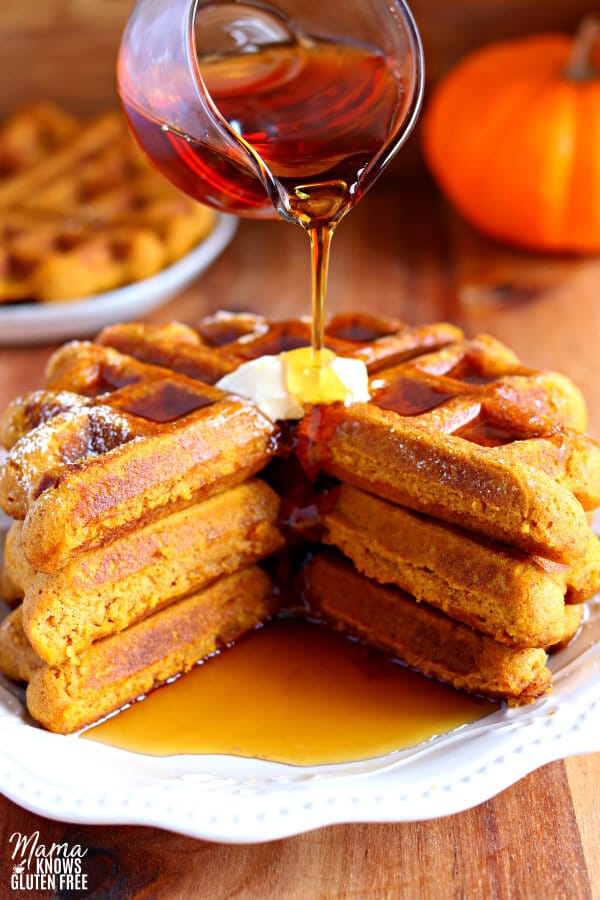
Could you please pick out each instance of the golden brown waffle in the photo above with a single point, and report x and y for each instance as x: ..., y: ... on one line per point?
x: 463, y: 433
x: 121, y: 668
x: 10, y: 592
x: 130, y: 439
x: 18, y: 659
x: 421, y: 636
x: 515, y: 598
x: 88, y: 468
x: 574, y: 617
x: 16, y: 571
x: 222, y: 342
x: 82, y: 212
x: 104, y: 591
x: 32, y: 134
x: 467, y: 435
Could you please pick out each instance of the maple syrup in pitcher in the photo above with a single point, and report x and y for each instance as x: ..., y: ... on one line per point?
x: 315, y: 111
x: 314, y: 117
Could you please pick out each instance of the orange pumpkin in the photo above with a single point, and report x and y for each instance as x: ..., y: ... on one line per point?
x: 512, y: 135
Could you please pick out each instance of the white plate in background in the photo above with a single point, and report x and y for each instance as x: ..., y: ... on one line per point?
x: 38, y: 323
x: 234, y: 800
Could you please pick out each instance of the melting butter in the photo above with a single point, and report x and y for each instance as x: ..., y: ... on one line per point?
x: 280, y: 385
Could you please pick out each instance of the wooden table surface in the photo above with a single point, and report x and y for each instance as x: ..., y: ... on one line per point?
x: 404, y: 253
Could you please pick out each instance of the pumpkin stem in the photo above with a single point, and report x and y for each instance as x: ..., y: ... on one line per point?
x: 581, y: 66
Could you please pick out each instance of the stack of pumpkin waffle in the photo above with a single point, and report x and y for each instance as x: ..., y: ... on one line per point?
x: 137, y: 525
x: 457, y: 501
x: 82, y: 211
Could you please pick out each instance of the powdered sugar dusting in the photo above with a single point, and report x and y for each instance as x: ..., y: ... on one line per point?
x: 108, y: 428
x: 68, y: 437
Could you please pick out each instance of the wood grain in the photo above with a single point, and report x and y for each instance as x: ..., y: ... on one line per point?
x: 584, y: 787
x: 504, y: 848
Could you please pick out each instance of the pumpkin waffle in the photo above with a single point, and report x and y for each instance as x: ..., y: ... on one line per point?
x: 104, y: 591
x: 120, y: 669
x: 10, y: 592
x: 32, y: 134
x: 574, y: 618
x: 421, y: 636
x: 515, y: 598
x: 18, y: 659
x: 20, y: 662
x: 466, y: 484
x: 466, y: 435
x: 224, y: 341
x: 13, y: 575
x: 88, y: 468
x: 82, y: 211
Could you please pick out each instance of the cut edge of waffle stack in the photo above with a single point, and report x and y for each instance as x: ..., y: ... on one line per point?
x: 82, y: 210
x: 142, y: 492
x: 120, y: 620
x: 115, y: 671
x: 466, y: 485
x: 129, y: 436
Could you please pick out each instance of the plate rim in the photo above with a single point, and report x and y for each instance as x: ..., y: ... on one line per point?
x: 202, y: 806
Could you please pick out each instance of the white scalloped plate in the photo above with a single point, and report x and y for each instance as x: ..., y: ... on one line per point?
x: 235, y: 800
x: 36, y: 323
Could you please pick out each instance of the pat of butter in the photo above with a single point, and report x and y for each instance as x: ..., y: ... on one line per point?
x: 266, y: 382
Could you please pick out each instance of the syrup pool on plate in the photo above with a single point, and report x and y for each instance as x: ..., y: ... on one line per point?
x: 295, y: 693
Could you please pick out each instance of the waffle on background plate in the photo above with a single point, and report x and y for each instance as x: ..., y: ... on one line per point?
x: 445, y: 522
x: 81, y: 210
